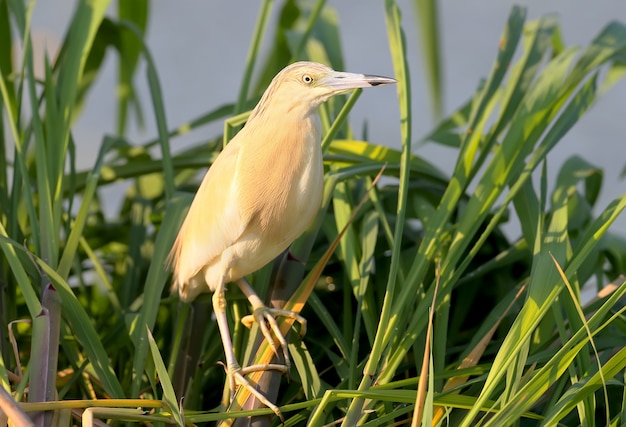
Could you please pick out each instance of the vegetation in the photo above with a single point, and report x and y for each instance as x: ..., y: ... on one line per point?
x: 442, y: 319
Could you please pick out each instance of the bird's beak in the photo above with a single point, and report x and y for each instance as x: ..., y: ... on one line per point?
x: 341, y: 82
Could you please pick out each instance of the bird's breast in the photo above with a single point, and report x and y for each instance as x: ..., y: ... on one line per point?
x: 284, y: 181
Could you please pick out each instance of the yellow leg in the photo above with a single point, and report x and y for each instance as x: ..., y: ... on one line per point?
x: 234, y: 372
x: 265, y: 316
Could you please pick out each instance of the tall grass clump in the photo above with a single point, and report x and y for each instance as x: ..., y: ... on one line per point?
x: 434, y: 316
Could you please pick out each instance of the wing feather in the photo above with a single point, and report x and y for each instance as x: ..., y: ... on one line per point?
x: 214, y: 222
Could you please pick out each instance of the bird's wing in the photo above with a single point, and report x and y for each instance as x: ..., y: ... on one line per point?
x: 214, y: 221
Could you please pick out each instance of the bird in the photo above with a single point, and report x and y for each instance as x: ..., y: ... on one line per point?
x: 261, y: 193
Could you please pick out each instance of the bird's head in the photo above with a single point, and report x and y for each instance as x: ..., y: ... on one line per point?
x: 308, y: 84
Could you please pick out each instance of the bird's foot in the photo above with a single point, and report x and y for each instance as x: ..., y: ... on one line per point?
x: 236, y: 375
x: 265, y: 316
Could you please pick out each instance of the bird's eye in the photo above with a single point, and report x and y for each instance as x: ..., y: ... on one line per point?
x: 307, y: 79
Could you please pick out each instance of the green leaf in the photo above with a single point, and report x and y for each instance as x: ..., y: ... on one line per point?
x: 429, y: 25
x: 168, y: 391
x: 130, y: 48
x: 155, y: 283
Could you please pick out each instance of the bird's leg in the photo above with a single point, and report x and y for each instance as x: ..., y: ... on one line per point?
x: 234, y: 372
x: 264, y: 315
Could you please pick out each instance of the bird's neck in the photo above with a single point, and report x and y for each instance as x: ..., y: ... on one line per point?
x: 286, y: 121
x: 284, y: 135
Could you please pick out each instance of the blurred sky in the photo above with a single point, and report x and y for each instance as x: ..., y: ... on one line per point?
x: 200, y: 49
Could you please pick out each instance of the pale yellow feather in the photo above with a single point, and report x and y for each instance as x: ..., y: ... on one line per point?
x: 265, y: 188
x: 260, y: 194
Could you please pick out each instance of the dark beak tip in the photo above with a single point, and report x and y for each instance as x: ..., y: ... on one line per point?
x: 387, y: 81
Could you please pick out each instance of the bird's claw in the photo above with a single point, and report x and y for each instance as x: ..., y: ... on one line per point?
x: 265, y: 316
x: 275, y: 312
x: 236, y: 375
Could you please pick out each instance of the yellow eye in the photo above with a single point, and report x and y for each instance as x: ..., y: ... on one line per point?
x: 307, y: 79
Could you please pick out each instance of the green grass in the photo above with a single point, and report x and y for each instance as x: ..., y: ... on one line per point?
x: 512, y: 343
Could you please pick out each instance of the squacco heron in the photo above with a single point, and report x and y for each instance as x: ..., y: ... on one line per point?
x: 261, y: 193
